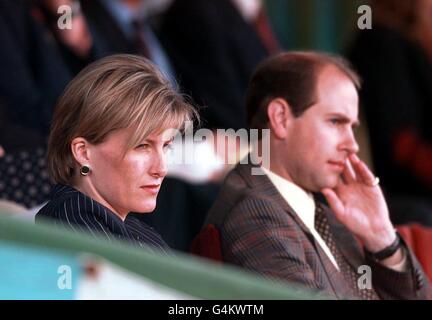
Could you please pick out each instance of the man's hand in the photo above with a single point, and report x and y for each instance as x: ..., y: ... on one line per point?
x: 361, y: 206
x: 78, y: 39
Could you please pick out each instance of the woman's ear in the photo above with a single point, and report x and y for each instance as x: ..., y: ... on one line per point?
x: 80, y: 151
x: 280, y: 116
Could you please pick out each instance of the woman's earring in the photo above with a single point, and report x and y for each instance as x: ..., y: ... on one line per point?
x: 85, y: 170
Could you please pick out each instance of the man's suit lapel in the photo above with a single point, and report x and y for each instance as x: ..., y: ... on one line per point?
x: 266, y: 188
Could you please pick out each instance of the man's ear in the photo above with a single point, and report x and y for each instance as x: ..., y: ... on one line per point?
x: 279, y: 115
x: 80, y: 150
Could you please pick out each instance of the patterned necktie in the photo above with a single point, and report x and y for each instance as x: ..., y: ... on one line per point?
x: 350, y: 275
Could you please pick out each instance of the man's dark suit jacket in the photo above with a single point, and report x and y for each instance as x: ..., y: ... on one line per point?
x: 261, y: 232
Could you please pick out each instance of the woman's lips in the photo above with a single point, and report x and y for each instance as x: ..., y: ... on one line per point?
x: 153, y: 188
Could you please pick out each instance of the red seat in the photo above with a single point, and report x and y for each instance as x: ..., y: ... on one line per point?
x: 419, y: 239
x: 208, y: 243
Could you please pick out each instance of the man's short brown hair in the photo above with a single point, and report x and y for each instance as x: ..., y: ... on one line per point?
x: 116, y: 92
x: 291, y: 76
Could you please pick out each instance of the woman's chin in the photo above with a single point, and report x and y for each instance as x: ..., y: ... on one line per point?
x: 145, y: 208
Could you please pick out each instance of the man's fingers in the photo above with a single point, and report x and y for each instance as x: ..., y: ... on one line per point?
x: 348, y: 173
x: 361, y: 170
x: 334, y: 202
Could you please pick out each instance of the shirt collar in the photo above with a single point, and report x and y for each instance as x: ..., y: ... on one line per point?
x: 301, y: 201
x: 303, y: 204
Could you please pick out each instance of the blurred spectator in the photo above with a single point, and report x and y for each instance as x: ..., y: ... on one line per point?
x: 32, y: 76
x: 123, y: 26
x: 394, y: 59
x: 214, y: 46
x: 32, y: 72
x: 78, y: 38
x: 76, y: 43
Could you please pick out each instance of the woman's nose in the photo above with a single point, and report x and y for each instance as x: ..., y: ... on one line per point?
x: 158, y: 167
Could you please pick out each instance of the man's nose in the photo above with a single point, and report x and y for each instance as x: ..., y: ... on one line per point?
x: 350, y: 144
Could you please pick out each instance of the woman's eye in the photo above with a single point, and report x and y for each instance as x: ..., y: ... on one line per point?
x: 143, y: 146
x: 168, y: 146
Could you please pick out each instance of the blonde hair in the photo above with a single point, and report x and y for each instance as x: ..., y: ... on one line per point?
x: 116, y: 92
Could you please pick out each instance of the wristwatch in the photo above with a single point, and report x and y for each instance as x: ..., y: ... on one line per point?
x: 386, y: 252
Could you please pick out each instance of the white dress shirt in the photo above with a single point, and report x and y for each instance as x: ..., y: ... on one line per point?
x: 303, y: 204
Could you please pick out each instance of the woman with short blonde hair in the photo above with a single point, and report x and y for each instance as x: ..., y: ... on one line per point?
x: 106, y: 150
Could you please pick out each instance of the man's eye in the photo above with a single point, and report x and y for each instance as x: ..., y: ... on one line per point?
x: 335, y: 122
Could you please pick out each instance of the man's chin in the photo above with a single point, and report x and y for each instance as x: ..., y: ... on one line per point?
x: 318, y: 183
x: 330, y: 183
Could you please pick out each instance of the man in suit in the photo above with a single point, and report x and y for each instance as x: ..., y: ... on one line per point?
x: 316, y: 214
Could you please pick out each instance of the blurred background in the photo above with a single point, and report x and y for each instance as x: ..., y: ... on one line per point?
x: 314, y: 24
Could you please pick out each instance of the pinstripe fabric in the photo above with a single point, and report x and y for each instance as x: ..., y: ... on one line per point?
x: 261, y: 232
x: 78, y: 212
